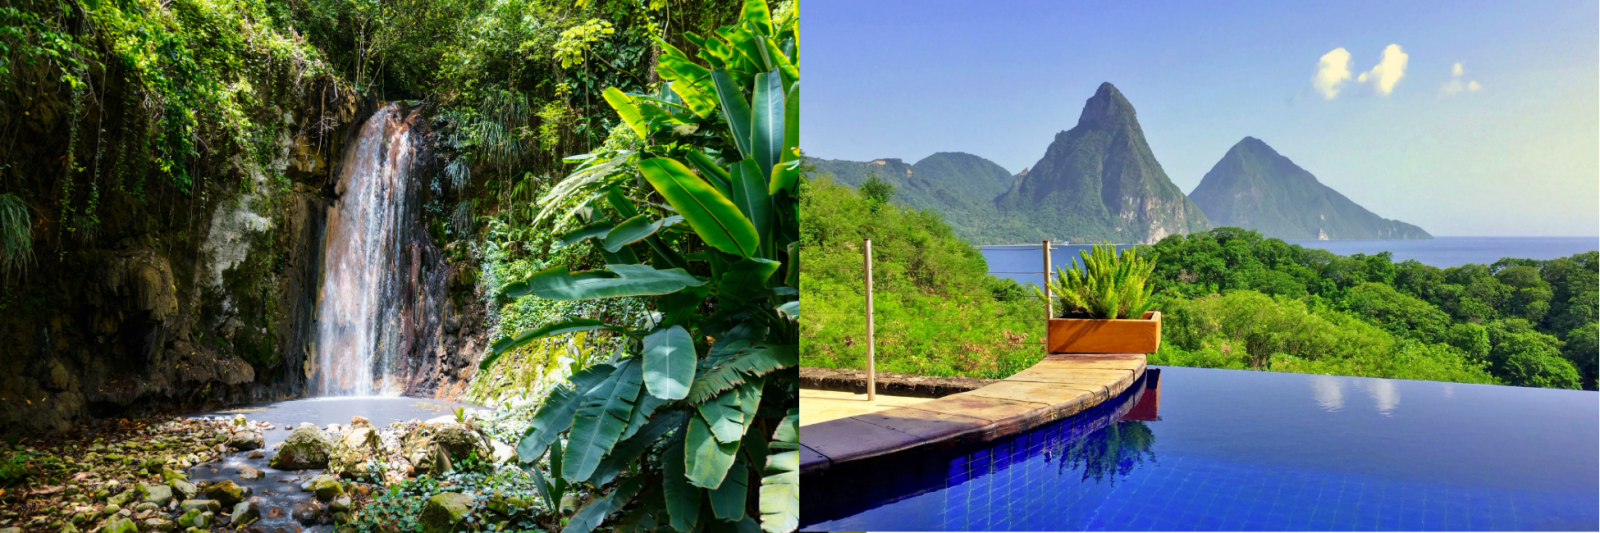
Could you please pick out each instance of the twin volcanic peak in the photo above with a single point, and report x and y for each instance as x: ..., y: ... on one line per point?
x: 1254, y: 187
x: 1100, y: 181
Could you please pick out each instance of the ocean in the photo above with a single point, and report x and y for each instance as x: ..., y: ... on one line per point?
x: 1025, y: 264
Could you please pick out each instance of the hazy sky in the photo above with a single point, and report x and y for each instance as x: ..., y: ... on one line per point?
x: 1368, y: 96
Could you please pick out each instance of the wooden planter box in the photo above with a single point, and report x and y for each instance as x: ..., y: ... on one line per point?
x: 1083, y: 335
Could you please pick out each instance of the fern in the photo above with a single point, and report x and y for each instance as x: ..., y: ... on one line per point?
x: 16, y: 235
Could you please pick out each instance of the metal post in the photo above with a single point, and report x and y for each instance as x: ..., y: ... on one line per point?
x: 872, y: 369
x: 1049, y: 306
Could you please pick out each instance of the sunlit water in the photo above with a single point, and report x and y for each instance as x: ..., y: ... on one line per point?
x: 1210, y: 449
x: 359, y: 320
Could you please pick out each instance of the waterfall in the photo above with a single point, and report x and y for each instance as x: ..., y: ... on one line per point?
x: 361, y: 316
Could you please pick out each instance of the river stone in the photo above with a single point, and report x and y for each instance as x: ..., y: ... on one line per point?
x: 203, y: 505
x: 307, y: 513
x: 340, y: 504
x: 245, y: 513
x: 307, y: 447
x: 326, y: 487
x: 158, y: 524
x: 247, y: 440
x: 119, y: 525
x: 169, y: 475
x: 443, y: 511
x: 12, y: 530
x: 249, y: 474
x: 187, y: 489
x: 239, y: 420
x: 227, y: 493
x: 351, y: 455
x: 438, y: 448
x: 156, y: 494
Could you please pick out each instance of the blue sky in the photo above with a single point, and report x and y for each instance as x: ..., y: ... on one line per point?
x: 1516, y: 153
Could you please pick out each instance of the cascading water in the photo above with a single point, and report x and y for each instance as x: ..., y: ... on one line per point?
x: 360, y: 311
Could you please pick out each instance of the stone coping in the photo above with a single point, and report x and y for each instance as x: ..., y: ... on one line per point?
x: 910, y: 385
x: 1058, y: 387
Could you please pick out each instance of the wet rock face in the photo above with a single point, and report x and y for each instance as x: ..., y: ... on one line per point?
x: 307, y: 447
x: 175, y: 299
x: 352, y: 455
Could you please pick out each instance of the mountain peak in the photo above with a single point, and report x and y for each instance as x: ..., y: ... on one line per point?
x: 1106, y: 107
x: 1253, y: 144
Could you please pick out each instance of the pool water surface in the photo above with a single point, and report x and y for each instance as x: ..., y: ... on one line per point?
x: 1206, y: 449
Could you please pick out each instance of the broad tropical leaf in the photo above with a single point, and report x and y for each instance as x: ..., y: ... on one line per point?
x: 749, y: 187
x: 706, y: 460
x: 780, y: 493
x: 571, y: 326
x: 630, y: 448
x: 767, y: 118
x: 636, y: 229
x: 596, y: 229
x: 791, y: 310
x: 555, y: 416
x: 786, y: 175
x: 711, y: 214
x: 594, y: 514
x: 727, y: 501
x: 669, y: 361
x: 756, y: 14
x: 733, y: 363
x: 787, y: 436
x: 601, y: 417
x: 734, y: 108
x: 642, y: 411
x: 556, y: 283
x: 712, y: 172
x: 723, y: 415
x: 746, y: 279
x: 628, y: 110
x: 682, y: 498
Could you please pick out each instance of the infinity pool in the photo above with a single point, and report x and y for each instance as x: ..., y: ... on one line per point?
x: 1205, y: 449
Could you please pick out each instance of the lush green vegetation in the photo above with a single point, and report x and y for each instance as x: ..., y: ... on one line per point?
x: 1104, y: 284
x: 1236, y: 299
x: 937, y: 312
x: 696, y: 214
x: 1230, y: 298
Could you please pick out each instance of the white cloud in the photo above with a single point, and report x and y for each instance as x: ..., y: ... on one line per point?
x: 1458, y: 82
x: 1391, y: 67
x: 1332, y: 71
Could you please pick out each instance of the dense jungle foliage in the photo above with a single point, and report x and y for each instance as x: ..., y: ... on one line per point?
x: 156, y: 93
x: 1230, y: 298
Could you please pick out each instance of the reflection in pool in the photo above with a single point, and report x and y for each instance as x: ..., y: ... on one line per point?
x: 1204, y: 449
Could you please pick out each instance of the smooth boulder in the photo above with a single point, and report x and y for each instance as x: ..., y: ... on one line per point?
x: 438, y: 448
x: 227, y: 493
x: 306, y: 448
x: 443, y: 511
x: 245, y: 513
x: 246, y: 440
x: 307, y: 513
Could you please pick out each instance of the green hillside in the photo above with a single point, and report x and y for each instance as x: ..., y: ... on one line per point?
x: 958, y: 187
x: 1254, y: 187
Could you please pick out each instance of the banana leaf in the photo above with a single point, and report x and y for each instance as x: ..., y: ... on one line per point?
x: 749, y: 187
x: 706, y: 459
x: 746, y: 279
x: 596, y: 229
x: 734, y: 108
x: 669, y: 361
x: 630, y: 448
x: 510, y: 343
x: 767, y: 115
x: 780, y: 493
x: 682, y: 498
x: 556, y: 283
x: 736, y: 362
x: 714, y: 218
x: 723, y: 415
x: 600, y: 419
x: 555, y: 416
x: 626, y: 109
x: 594, y: 514
x: 727, y: 501
x: 636, y: 229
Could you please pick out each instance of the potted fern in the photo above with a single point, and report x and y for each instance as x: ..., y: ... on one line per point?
x: 1104, y: 304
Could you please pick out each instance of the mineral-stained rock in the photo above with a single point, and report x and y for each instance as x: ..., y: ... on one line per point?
x: 245, y: 513
x: 156, y: 494
x: 443, y: 511
x: 326, y: 487
x: 351, y: 455
x: 203, y: 505
x: 158, y: 524
x: 307, y: 513
x: 340, y: 504
x: 437, y: 448
x: 185, y: 488
x: 227, y: 493
x: 307, y: 447
x: 246, y: 440
x: 249, y: 474
x: 119, y: 525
